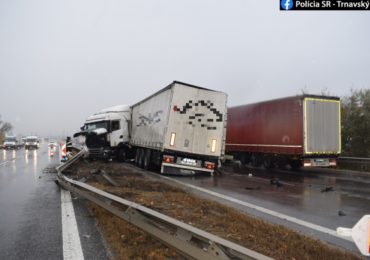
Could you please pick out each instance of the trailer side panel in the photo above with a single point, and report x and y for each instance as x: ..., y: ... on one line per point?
x: 268, y: 127
x: 150, y: 119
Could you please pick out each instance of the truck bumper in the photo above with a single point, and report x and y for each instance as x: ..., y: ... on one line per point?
x: 176, y: 169
x: 31, y: 147
x: 100, y: 153
x: 319, y: 162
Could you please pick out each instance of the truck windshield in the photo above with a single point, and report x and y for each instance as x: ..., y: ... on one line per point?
x: 10, y: 139
x: 96, y: 125
x: 31, y: 140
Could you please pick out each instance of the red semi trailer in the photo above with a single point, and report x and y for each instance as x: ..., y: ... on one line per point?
x: 302, y: 130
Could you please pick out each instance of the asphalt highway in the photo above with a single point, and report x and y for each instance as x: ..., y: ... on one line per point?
x: 30, y: 210
x: 325, y: 199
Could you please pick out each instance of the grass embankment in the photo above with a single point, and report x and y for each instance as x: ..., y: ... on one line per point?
x: 129, y: 242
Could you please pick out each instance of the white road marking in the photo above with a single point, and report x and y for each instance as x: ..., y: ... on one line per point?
x: 4, y: 163
x: 265, y: 210
x: 72, y: 249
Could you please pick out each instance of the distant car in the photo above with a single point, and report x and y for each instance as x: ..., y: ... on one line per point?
x: 10, y: 142
x: 53, y: 144
x: 32, y: 142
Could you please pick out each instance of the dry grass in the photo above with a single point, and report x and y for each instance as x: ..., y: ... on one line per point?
x: 129, y: 242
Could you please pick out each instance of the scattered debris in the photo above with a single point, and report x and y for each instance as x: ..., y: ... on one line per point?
x: 83, y: 179
x: 109, y: 179
x: 129, y: 242
x: 253, y: 188
x: 276, y: 181
x: 95, y: 171
x: 250, y: 175
x: 341, y: 213
x: 86, y: 236
x: 85, y: 161
x: 327, y: 189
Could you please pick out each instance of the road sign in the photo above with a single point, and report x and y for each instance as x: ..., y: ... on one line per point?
x: 64, y: 150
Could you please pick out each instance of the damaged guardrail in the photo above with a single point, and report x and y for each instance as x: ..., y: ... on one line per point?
x: 187, y: 240
x: 71, y: 161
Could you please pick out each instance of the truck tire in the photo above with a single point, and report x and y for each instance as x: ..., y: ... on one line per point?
x: 245, y: 158
x: 137, y: 157
x: 121, y: 154
x: 256, y: 160
x: 281, y: 164
x: 268, y: 162
x: 295, y: 164
x: 141, y: 157
x: 147, y: 157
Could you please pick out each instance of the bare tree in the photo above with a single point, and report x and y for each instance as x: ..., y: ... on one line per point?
x: 4, y: 127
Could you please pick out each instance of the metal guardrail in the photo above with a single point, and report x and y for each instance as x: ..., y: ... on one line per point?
x: 71, y: 161
x: 354, y: 160
x: 187, y: 240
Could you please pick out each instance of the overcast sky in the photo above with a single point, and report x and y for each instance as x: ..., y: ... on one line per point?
x: 61, y: 61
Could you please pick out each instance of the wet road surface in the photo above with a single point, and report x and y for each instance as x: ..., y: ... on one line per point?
x: 30, y: 209
x: 323, y: 197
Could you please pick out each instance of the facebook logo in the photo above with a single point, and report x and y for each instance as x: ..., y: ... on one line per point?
x: 286, y: 4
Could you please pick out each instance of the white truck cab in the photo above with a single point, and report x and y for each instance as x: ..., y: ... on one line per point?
x: 32, y: 142
x: 107, y: 133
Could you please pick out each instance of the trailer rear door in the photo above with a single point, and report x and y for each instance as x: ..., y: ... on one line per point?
x: 197, y: 121
x: 322, y: 127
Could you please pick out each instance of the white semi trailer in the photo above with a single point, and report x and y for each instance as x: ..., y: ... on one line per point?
x: 181, y: 129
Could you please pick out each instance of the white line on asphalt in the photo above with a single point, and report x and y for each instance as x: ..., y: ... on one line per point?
x: 3, y: 163
x: 264, y: 210
x: 72, y: 249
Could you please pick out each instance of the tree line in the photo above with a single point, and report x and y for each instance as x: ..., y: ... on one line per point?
x: 4, y: 128
x: 356, y: 124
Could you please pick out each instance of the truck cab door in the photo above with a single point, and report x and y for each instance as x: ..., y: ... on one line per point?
x: 119, y: 132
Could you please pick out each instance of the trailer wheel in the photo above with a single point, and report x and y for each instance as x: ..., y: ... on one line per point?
x: 281, y: 164
x: 146, y: 160
x: 296, y: 164
x: 141, y: 157
x: 245, y: 159
x: 121, y: 154
x: 137, y: 157
x: 256, y: 160
x: 268, y: 162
